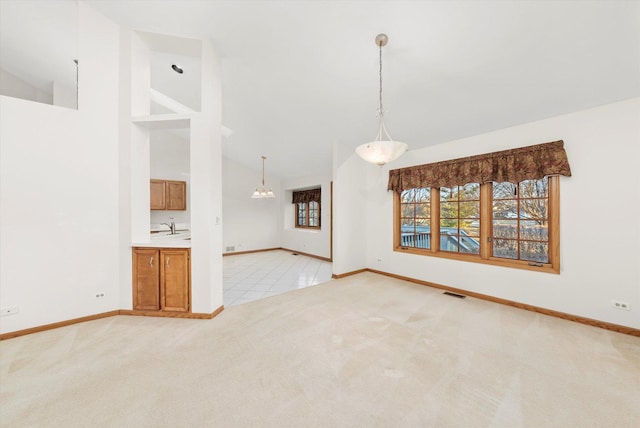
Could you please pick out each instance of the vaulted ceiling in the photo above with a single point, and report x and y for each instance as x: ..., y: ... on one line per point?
x: 301, y: 76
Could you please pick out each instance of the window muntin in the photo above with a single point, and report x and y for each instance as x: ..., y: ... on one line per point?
x: 519, y: 226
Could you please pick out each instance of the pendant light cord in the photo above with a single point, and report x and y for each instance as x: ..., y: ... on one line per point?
x: 380, y: 47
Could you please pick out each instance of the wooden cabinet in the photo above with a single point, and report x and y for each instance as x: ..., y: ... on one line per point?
x: 157, y: 195
x: 168, y: 195
x: 176, y: 195
x: 146, y: 279
x: 162, y: 279
x: 174, y: 280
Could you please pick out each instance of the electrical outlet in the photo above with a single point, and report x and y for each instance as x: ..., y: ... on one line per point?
x: 621, y: 305
x: 99, y: 295
x: 9, y: 311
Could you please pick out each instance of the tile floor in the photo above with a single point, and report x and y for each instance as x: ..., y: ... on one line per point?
x: 253, y: 276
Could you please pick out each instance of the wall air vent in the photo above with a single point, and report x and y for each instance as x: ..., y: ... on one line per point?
x: 449, y: 293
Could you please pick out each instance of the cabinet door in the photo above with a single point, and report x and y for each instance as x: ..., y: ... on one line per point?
x: 157, y: 195
x: 176, y: 195
x: 146, y: 279
x: 175, y: 274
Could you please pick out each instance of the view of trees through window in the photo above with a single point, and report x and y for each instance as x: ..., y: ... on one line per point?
x: 308, y: 214
x: 519, y: 223
x: 520, y: 220
x: 460, y: 218
x: 415, y: 218
x: 302, y: 214
x: 314, y: 214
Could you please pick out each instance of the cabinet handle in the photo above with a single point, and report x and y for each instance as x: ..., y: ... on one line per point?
x: 151, y: 261
x: 168, y: 258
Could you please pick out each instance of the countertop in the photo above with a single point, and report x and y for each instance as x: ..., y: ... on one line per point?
x: 182, y: 239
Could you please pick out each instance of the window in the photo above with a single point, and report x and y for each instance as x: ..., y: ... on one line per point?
x: 505, y: 223
x: 520, y: 222
x: 521, y: 229
x: 302, y: 218
x: 459, y: 218
x: 307, y: 208
x: 415, y: 223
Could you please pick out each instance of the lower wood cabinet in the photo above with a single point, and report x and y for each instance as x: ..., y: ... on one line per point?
x: 162, y: 279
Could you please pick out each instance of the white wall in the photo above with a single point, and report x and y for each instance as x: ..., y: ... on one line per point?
x: 138, y: 137
x: 310, y: 241
x: 349, y: 215
x: 125, y: 173
x: 59, y: 227
x: 599, y: 224
x: 256, y: 224
x: 170, y: 161
x: 64, y: 96
x: 12, y: 86
x: 206, y: 188
x: 248, y: 224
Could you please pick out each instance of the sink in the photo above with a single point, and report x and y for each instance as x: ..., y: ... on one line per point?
x: 168, y: 236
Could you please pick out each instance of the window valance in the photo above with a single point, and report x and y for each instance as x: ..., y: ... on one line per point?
x: 312, y: 195
x: 525, y: 163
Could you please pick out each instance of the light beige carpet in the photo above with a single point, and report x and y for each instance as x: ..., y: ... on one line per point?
x: 364, y: 351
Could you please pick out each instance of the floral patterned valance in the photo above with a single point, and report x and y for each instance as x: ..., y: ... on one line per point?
x: 312, y: 195
x: 525, y: 163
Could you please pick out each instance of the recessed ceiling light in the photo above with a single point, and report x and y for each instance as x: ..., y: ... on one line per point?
x: 177, y: 69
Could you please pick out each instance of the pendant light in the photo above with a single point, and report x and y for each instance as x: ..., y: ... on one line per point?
x: 262, y: 191
x: 384, y: 149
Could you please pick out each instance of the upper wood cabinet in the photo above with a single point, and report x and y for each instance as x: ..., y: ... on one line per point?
x: 158, y: 200
x: 168, y: 195
x: 176, y: 195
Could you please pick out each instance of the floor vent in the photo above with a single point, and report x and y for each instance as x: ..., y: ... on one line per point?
x: 449, y: 293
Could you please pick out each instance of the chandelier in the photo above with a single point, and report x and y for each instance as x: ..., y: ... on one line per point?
x: 262, y: 191
x: 384, y: 149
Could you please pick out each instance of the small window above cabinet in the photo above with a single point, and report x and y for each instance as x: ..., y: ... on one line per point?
x: 168, y: 195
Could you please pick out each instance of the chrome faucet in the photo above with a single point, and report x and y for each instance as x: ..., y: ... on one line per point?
x: 172, y: 225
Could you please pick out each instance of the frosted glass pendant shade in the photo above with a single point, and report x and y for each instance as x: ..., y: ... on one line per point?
x: 381, y: 152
